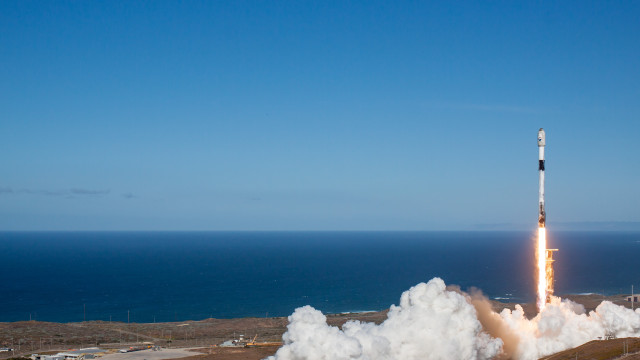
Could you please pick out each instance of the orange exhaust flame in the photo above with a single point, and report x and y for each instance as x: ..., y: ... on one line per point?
x: 541, y: 261
x: 544, y: 261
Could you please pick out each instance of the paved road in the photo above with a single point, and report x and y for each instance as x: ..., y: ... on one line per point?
x: 151, y: 355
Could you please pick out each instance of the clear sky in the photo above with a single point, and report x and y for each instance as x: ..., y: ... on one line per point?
x: 326, y: 115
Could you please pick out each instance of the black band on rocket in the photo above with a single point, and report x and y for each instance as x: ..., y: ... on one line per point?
x: 541, y: 165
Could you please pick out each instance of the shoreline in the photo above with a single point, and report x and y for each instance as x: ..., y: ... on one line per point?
x: 497, y: 302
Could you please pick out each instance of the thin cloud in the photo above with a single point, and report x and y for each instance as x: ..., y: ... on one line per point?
x: 597, y: 225
x: 42, y: 192
x: 128, y: 195
x: 77, y: 191
x: 564, y: 225
x: 64, y: 193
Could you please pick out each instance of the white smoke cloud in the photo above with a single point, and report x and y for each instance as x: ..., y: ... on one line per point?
x: 564, y: 325
x: 429, y: 323
x: 432, y: 322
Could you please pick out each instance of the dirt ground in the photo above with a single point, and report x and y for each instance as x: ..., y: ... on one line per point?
x: 602, y: 350
x: 28, y: 337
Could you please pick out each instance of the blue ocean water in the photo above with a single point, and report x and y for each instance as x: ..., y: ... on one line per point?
x: 174, y: 276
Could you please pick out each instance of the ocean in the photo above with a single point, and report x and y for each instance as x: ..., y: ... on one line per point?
x: 177, y: 276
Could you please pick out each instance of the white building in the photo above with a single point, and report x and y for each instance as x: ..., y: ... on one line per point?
x: 89, y: 353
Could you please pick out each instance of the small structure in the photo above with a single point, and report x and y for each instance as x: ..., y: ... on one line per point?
x: 51, y: 357
x: 145, y: 346
x: 89, y: 353
x: 633, y: 298
x: 240, y: 342
x: 253, y: 343
x: 46, y: 357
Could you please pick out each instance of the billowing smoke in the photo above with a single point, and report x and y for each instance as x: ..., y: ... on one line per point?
x: 429, y: 323
x: 563, y: 324
x: 433, y: 322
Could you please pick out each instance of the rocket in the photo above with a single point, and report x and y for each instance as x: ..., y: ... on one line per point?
x: 541, y: 143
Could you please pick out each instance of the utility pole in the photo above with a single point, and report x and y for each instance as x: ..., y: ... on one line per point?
x: 128, y: 312
x: 85, y: 312
x: 632, y: 297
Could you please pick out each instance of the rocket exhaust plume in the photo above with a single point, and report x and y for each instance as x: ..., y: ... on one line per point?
x: 542, y: 268
x: 436, y: 322
x: 544, y: 256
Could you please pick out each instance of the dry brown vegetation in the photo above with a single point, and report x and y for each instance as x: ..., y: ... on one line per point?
x: 601, y: 350
x: 29, y: 337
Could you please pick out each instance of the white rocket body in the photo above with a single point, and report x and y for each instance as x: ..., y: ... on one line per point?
x: 541, y: 144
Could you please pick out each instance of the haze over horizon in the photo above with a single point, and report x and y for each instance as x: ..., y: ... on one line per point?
x: 317, y: 116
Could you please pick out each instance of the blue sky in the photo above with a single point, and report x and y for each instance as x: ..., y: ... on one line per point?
x: 316, y: 115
